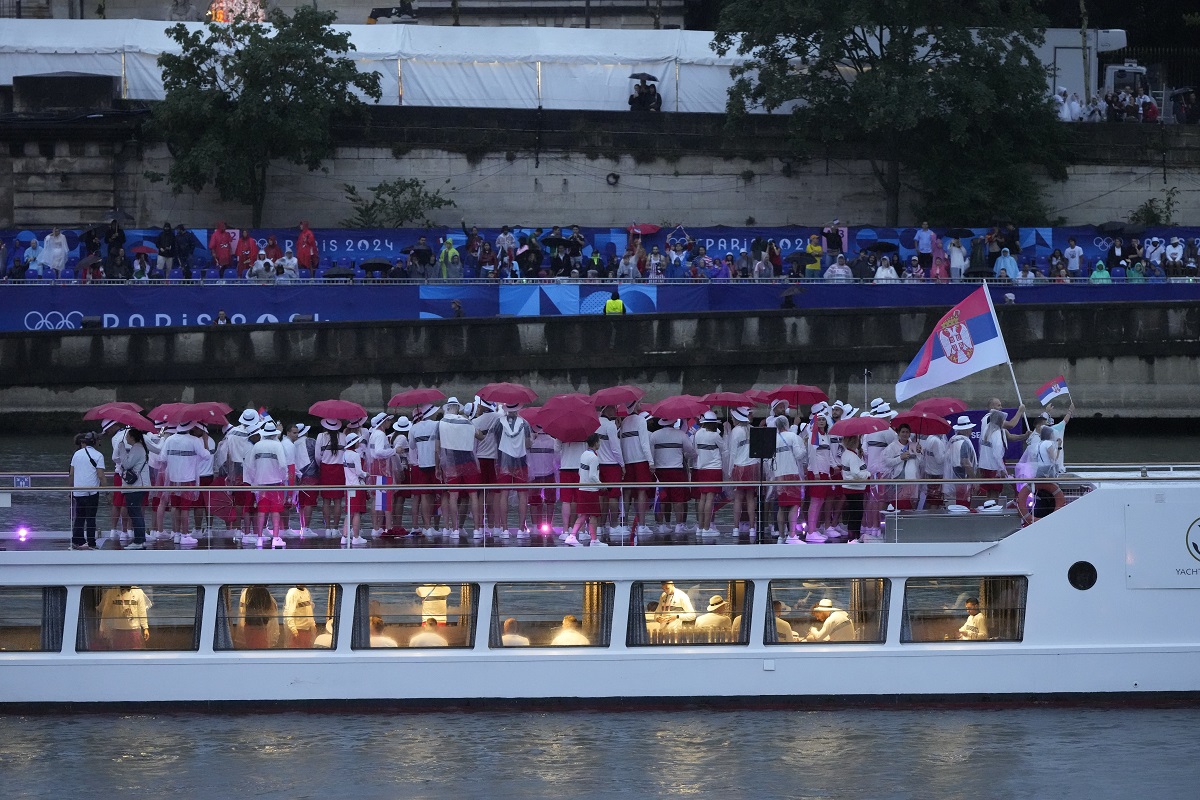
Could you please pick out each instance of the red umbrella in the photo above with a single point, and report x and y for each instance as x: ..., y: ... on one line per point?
x: 123, y: 416
x: 569, y: 419
x: 760, y: 396
x: 98, y: 412
x: 159, y: 413
x: 142, y: 249
x: 416, y: 397
x: 337, y: 409
x: 941, y: 406
x: 617, y: 396
x: 684, y: 406
x: 731, y: 399
x: 799, y: 394
x: 510, y: 394
x: 858, y: 426
x: 207, y: 413
x: 644, y: 228
x: 921, y: 423
x: 530, y: 414
x: 570, y: 396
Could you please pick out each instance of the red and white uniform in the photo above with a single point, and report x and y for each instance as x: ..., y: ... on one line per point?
x: 788, y: 465
x: 711, y: 459
x: 568, y: 469
x: 612, y: 460
x: 267, y: 465
x: 821, y: 460
x: 355, y: 475
x: 588, y: 496
x: 672, y: 450
x: 183, y: 453
x: 742, y: 466
x: 486, y: 448
x: 635, y: 449
x: 379, y: 455
x: 423, y: 453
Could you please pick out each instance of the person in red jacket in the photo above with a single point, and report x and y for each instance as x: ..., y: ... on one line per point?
x: 306, y: 248
x: 247, y: 253
x: 272, y: 251
x: 220, y: 244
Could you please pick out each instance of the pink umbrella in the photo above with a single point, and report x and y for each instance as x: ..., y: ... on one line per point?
x: 617, y: 396
x: 760, y: 396
x: 416, y: 397
x: 98, y: 412
x: 684, y: 406
x: 123, y: 416
x: 920, y: 423
x: 941, y: 406
x: 644, y: 228
x: 569, y: 419
x: 731, y: 399
x: 337, y: 409
x: 858, y: 426
x: 530, y: 413
x: 207, y: 413
x: 510, y: 394
x: 799, y: 394
x: 159, y: 413
x: 570, y: 396
x: 143, y: 250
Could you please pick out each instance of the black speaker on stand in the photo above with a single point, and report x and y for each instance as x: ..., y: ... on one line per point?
x: 762, y: 447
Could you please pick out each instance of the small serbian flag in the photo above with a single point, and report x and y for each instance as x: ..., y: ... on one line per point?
x: 963, y: 342
x: 1055, y: 387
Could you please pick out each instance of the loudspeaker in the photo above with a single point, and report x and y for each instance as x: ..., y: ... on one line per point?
x: 91, y: 322
x: 303, y: 318
x: 762, y: 443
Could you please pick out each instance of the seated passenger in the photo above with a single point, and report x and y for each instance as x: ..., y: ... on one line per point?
x: 717, y: 617
x: 836, y: 625
x: 674, y: 608
x: 975, y: 628
x: 570, y: 635
x: 783, y: 628
x: 428, y: 637
x: 511, y: 637
x: 378, y: 639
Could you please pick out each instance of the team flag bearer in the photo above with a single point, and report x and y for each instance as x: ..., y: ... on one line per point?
x: 1055, y: 387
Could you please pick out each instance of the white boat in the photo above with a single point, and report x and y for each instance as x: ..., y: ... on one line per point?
x: 1090, y: 601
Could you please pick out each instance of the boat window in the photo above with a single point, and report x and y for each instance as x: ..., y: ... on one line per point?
x: 301, y: 616
x: 552, y: 614
x: 667, y: 612
x: 827, y: 611
x: 415, y: 615
x: 976, y: 609
x: 139, y: 617
x: 31, y: 618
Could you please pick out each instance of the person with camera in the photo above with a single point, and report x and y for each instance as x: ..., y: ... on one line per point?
x: 86, y: 476
x: 135, y: 478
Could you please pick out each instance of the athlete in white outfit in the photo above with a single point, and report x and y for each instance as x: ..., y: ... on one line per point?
x: 639, y: 465
x: 379, y: 467
x: 422, y: 467
x: 267, y: 465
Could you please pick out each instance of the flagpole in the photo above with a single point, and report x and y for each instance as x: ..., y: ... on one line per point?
x: 1008, y: 360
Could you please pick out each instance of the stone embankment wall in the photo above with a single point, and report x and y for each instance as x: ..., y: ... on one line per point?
x: 1120, y: 361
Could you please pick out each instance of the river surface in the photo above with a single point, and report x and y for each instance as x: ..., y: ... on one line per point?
x: 970, y: 753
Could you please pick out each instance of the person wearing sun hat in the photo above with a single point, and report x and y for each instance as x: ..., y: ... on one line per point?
x: 422, y: 466
x: 307, y: 471
x: 354, y: 475
x: 873, y: 445
x: 717, y: 616
x: 268, y: 466
x: 330, y: 449
x: 835, y: 624
x: 378, y: 462
x: 513, y: 436
x: 673, y: 451
x: 639, y: 463
x: 711, y: 460
x: 399, y: 466
x: 456, y: 458
x: 120, y: 518
x: 742, y: 468
x: 961, y: 462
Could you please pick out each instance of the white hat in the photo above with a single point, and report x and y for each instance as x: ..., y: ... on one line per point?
x: 820, y: 408
x: 716, y: 602
x: 826, y: 605
x: 741, y: 413
x: 420, y: 412
x: 107, y: 426
x: 990, y: 505
x: 226, y: 428
x: 776, y: 402
x: 848, y: 411
x: 270, y: 430
x: 248, y: 417
x: 883, y: 411
x: 964, y: 424
x: 666, y: 423
x: 378, y: 419
x: 358, y: 423
x: 708, y: 416
x: 452, y: 401
x: 876, y: 403
x: 468, y: 410
x: 1174, y: 240
x: 331, y: 424
x: 402, y: 425
x: 352, y: 440
x: 302, y: 430
x: 479, y: 401
x: 253, y: 429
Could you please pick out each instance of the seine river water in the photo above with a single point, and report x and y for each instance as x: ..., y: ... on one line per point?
x: 1009, y: 752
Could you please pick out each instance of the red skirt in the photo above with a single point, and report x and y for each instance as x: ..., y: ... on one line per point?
x: 611, y: 475
x: 790, y: 495
x: 487, y: 471
x: 308, y: 499
x: 588, y: 504
x: 820, y: 492
x: 469, y: 473
x: 118, y: 499
x: 710, y: 477
x: 747, y: 472
x: 990, y: 487
x: 126, y: 640
x: 567, y: 488
x: 672, y: 494
x: 638, y: 472
x: 547, y: 496
x: 358, y: 502
x: 271, y: 501
x: 331, y: 475
x: 423, y: 476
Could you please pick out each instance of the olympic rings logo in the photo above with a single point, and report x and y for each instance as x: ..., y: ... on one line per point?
x: 53, y: 321
x: 1103, y: 243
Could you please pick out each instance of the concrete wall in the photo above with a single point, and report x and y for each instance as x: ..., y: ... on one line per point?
x: 1124, y: 361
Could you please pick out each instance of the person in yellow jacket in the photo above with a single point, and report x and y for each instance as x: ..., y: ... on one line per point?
x: 614, y: 305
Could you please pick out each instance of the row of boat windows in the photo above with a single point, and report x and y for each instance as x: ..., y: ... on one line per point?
x: 436, y: 615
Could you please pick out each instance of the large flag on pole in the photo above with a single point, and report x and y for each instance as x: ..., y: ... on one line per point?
x: 965, y: 341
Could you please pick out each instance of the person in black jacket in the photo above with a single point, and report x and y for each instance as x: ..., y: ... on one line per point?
x: 166, y: 249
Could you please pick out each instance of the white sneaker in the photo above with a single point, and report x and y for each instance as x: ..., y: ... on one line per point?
x: 291, y: 533
x: 523, y: 533
x: 277, y: 543
x: 663, y: 530
x: 597, y: 543
x: 345, y: 541
x: 358, y: 541
x: 679, y: 529
x: 643, y: 530
x: 125, y: 537
x: 134, y: 546
x: 176, y: 536
x: 816, y: 537
x: 114, y: 534
x: 258, y: 541
x: 504, y: 535
x: 793, y: 539
x: 376, y: 533
x: 430, y: 534
x: 478, y: 534
x: 306, y: 532
x: 571, y: 540
x: 562, y: 537
x: 188, y: 541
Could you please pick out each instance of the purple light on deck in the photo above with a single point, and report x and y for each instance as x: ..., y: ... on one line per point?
x: 22, y: 533
x: 545, y: 528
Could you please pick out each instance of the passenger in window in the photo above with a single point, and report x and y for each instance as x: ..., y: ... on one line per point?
x: 570, y: 635
x: 433, y: 601
x: 975, y: 628
x: 717, y: 617
x: 783, y: 628
x: 378, y: 638
x: 428, y: 637
x: 512, y: 636
x: 836, y: 625
x: 260, y: 623
x: 674, y: 608
x: 123, y: 618
x: 298, y: 616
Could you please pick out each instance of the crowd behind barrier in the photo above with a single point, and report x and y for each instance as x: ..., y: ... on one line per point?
x: 108, y: 272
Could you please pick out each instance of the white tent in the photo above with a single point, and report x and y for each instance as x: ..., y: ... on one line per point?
x: 520, y: 67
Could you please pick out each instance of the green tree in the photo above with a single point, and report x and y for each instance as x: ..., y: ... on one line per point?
x: 931, y: 89
x: 242, y: 95
x: 394, y: 203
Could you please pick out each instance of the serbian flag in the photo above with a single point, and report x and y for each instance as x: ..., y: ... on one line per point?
x: 963, y: 342
x: 1055, y: 387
